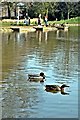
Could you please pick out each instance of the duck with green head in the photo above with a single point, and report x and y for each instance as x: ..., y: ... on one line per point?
x: 36, y: 77
x: 56, y: 88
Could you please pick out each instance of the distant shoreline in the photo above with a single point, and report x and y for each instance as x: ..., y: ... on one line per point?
x: 30, y: 28
x: 70, y: 22
x: 5, y: 25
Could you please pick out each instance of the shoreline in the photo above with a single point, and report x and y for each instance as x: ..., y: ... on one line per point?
x: 25, y: 28
x: 31, y: 29
x: 6, y: 24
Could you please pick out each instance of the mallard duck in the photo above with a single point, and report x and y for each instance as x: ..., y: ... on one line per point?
x: 36, y: 77
x: 56, y: 88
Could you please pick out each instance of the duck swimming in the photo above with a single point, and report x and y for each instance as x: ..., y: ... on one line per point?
x: 56, y: 88
x: 36, y: 77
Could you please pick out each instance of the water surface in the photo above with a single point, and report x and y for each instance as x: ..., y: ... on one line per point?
x: 56, y: 54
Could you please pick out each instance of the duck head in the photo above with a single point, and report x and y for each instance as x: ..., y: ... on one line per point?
x: 62, y: 88
x: 42, y: 75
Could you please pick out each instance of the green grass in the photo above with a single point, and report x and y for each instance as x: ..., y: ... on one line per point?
x: 3, y: 24
x: 70, y: 21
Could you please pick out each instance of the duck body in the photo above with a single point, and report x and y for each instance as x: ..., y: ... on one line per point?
x: 53, y: 87
x: 56, y: 88
x: 36, y: 77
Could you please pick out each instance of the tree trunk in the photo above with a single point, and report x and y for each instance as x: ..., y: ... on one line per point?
x: 9, y: 13
x: 68, y: 15
x: 15, y: 12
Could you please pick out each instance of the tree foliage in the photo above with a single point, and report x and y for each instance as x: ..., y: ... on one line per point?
x: 54, y: 10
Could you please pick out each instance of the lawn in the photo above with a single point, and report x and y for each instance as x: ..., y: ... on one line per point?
x: 10, y: 22
x: 75, y: 20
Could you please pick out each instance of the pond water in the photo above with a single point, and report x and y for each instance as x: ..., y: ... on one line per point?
x: 53, y: 52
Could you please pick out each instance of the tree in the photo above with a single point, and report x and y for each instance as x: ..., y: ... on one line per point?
x: 59, y: 10
x: 14, y: 9
x: 9, y: 7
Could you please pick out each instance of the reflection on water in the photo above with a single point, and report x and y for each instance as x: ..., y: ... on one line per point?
x: 56, y: 54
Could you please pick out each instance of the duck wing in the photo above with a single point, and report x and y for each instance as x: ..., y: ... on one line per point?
x: 52, y: 87
x: 33, y: 75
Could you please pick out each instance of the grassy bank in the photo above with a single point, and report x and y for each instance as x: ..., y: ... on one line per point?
x: 10, y: 22
x: 70, y: 21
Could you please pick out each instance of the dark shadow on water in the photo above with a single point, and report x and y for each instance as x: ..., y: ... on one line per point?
x: 54, y: 92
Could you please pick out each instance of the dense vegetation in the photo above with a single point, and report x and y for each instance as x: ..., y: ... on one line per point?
x: 75, y: 20
x: 55, y: 10
x: 59, y: 10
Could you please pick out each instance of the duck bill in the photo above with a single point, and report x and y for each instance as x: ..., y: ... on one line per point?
x: 66, y: 86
